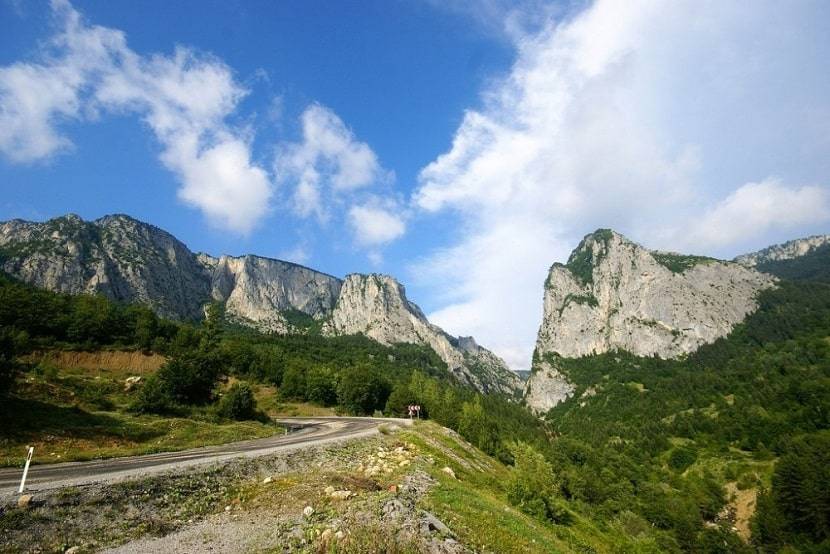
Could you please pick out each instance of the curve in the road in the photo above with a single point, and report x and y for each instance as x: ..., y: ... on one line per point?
x: 309, y: 432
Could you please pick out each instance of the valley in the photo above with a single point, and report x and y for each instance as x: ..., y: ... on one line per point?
x: 675, y: 404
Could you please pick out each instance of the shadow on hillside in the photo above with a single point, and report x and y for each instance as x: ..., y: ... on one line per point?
x: 24, y: 420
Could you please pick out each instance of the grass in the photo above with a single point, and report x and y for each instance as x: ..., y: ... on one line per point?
x: 77, y: 414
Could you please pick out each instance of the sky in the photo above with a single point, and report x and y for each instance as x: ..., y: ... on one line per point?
x: 462, y: 147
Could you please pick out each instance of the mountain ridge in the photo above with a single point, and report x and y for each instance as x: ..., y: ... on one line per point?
x: 129, y: 260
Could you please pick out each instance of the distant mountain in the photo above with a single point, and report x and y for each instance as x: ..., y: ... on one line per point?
x: 131, y: 261
x: 613, y: 294
x: 805, y: 259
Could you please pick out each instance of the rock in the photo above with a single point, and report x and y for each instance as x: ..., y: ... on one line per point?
x: 24, y: 501
x: 448, y: 470
x: 308, y: 511
x: 340, y: 535
x: 787, y: 251
x: 430, y: 524
x: 376, y: 306
x: 329, y: 490
x: 403, y: 463
x: 227, y: 508
x: 393, y: 508
x: 72, y: 550
x: 340, y: 495
x: 614, y: 294
x: 131, y: 382
x: 267, y: 480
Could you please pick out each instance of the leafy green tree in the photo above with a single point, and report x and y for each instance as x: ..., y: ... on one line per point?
x: 190, y: 378
x: 532, y: 486
x: 321, y: 386
x: 293, y: 386
x: 237, y: 403
x: 154, y: 398
x: 362, y: 390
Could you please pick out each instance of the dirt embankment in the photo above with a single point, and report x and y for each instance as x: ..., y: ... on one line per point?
x: 107, y: 360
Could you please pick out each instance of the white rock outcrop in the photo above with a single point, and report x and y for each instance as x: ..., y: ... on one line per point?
x: 613, y: 294
x: 376, y: 306
x: 787, y: 251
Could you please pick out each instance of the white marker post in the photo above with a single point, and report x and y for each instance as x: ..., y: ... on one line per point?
x: 26, y: 469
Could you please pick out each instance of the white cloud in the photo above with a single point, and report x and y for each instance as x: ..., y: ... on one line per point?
x: 374, y: 225
x: 184, y: 98
x: 642, y: 116
x: 329, y: 156
x: 756, y: 208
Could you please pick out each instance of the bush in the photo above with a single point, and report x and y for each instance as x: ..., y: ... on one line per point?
x: 154, y: 398
x: 681, y: 458
x: 293, y: 386
x: 238, y: 403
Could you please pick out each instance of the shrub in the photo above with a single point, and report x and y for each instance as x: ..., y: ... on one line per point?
x: 191, y: 377
x: 154, y: 398
x: 238, y: 403
x: 681, y: 458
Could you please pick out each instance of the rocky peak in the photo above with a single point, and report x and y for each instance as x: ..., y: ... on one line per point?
x: 259, y: 290
x: 786, y: 251
x: 613, y: 294
x: 376, y: 306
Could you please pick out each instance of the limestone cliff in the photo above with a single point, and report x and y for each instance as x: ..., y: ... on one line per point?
x: 117, y: 256
x: 786, y: 251
x: 613, y: 294
x: 376, y: 305
x: 259, y: 291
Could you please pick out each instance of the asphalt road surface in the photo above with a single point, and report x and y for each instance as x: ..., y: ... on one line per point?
x: 305, y: 432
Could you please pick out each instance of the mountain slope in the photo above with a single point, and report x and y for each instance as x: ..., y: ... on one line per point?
x: 613, y: 294
x: 130, y: 261
x: 805, y: 259
x: 376, y: 305
x: 787, y: 251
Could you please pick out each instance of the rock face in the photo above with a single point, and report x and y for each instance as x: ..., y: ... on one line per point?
x: 130, y: 261
x: 614, y: 294
x: 787, y: 251
x: 376, y: 305
x: 117, y: 256
x: 258, y: 291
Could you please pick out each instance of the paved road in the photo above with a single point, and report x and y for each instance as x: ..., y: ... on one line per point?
x: 306, y: 432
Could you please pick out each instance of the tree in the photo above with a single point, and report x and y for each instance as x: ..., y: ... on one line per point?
x: 238, y: 403
x: 362, y: 390
x: 293, y: 384
x: 321, y: 386
x: 533, y: 487
x: 191, y: 377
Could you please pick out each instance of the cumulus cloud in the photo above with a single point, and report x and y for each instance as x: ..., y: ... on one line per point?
x: 374, y: 225
x: 643, y: 116
x: 756, y: 208
x: 330, y: 157
x: 184, y: 98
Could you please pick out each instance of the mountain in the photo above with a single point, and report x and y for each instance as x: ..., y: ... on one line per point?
x: 613, y: 294
x: 787, y: 251
x: 131, y: 261
x: 376, y: 305
x: 805, y: 259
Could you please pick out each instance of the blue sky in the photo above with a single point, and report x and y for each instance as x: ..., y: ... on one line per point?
x: 460, y: 146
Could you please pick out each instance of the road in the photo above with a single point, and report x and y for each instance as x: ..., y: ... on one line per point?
x: 307, y: 432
